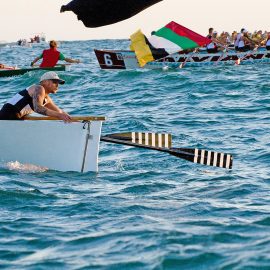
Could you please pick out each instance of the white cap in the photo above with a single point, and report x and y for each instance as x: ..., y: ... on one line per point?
x: 51, y: 75
x: 245, y: 31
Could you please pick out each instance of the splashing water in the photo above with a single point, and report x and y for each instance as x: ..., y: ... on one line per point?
x: 30, y: 168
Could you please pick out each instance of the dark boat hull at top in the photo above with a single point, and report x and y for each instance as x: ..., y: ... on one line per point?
x: 121, y: 59
x: 96, y: 13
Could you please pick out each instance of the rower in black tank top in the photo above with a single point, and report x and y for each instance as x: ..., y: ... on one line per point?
x: 18, y: 106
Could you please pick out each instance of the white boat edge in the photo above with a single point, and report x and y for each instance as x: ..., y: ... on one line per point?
x: 52, y: 144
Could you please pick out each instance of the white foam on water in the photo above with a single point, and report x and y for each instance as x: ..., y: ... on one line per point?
x: 119, y: 165
x: 38, y: 256
x: 17, y: 166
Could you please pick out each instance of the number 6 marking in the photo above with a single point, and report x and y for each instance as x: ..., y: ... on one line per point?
x: 107, y: 59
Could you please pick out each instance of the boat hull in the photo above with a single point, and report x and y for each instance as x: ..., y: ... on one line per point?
x: 21, y: 71
x: 117, y: 59
x: 51, y: 144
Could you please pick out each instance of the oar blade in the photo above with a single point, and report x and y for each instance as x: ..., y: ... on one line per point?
x: 204, y: 157
x: 145, y: 138
x: 238, y: 61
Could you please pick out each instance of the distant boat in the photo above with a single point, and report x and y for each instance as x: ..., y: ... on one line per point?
x: 24, y: 43
x: 52, y: 143
x: 20, y: 71
x: 38, y: 38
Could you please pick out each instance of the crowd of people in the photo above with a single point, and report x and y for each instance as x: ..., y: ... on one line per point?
x: 240, y: 41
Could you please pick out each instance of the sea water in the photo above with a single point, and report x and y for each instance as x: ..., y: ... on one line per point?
x: 145, y: 209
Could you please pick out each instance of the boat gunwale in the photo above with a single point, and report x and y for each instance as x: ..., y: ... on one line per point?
x: 73, y: 118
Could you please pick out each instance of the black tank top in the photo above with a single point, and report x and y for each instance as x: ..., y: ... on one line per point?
x: 23, y: 103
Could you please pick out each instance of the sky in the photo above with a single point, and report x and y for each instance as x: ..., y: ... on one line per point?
x: 25, y: 18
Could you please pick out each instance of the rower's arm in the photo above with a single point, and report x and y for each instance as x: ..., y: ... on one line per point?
x: 219, y: 42
x: 252, y: 41
x: 38, y: 98
x: 49, y: 110
x: 35, y: 60
x: 50, y: 105
x: 69, y: 60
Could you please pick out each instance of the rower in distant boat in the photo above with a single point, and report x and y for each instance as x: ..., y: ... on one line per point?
x: 213, y: 47
x: 35, y: 99
x: 244, y: 43
x: 52, y: 56
x: 267, y: 42
x: 238, y: 38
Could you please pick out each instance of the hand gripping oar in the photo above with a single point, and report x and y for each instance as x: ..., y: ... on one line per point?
x: 162, y: 143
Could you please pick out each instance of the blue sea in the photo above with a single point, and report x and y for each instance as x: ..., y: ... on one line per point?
x: 145, y: 209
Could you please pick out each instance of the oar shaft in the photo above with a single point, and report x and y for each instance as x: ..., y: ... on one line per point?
x: 145, y: 138
x: 129, y: 143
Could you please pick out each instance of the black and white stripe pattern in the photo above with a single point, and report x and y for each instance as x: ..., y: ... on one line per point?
x: 212, y: 158
x: 22, y: 102
x: 152, y: 139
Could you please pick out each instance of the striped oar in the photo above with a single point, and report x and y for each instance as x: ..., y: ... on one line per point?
x: 205, y: 157
x: 145, y: 138
x: 162, y: 143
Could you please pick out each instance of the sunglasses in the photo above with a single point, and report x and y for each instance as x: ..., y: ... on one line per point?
x: 55, y: 81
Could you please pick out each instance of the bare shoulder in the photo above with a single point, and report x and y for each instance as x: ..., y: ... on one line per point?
x: 36, y: 90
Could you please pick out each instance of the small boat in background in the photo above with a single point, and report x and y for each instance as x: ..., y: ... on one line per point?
x: 50, y: 143
x: 38, y: 38
x: 8, y: 72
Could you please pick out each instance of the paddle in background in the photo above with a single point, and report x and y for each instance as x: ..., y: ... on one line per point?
x: 188, y: 58
x: 224, y: 52
x: 239, y: 60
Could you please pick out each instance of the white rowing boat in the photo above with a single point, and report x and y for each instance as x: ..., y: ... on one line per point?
x: 51, y: 143
x: 120, y: 59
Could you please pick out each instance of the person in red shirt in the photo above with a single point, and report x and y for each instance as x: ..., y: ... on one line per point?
x: 51, y: 56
